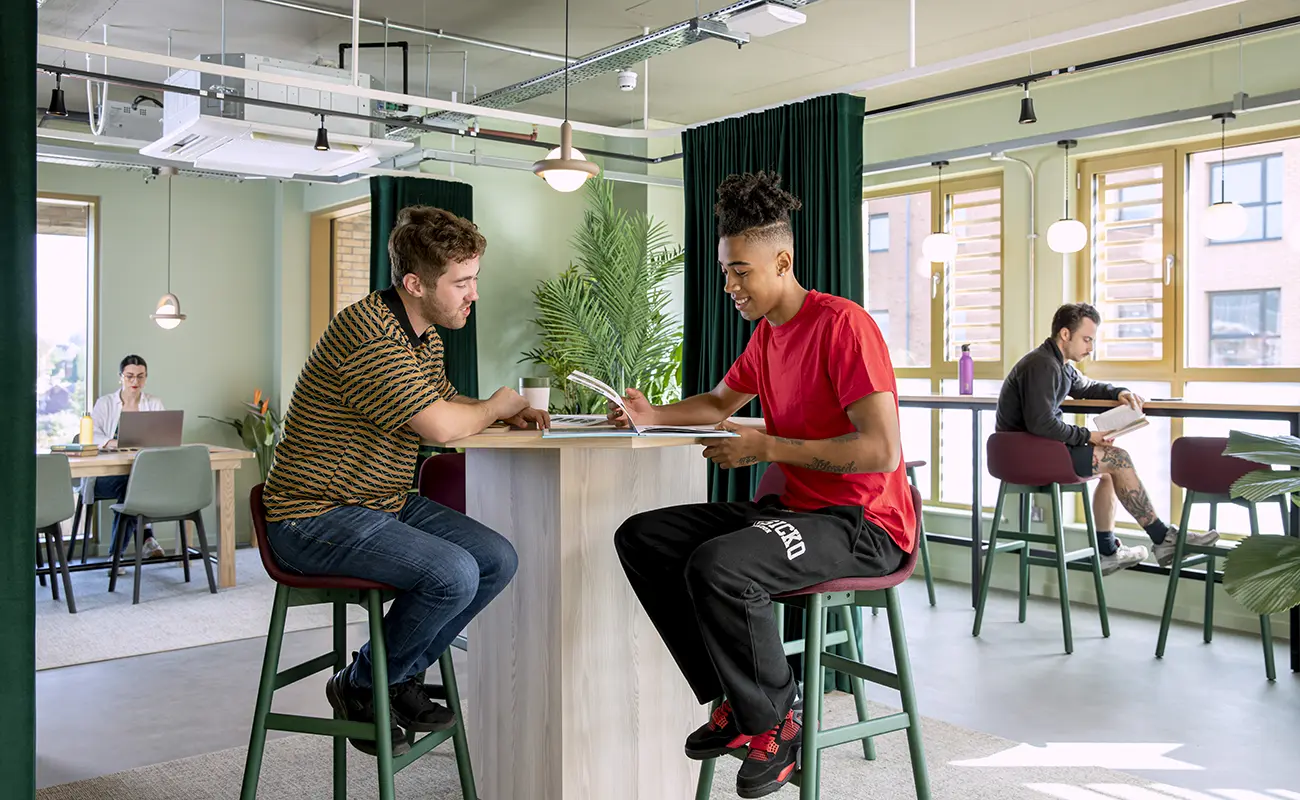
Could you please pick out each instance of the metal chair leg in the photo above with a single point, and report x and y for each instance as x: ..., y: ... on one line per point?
x: 1096, y: 565
x: 204, y: 551
x: 907, y: 691
x: 1062, y: 577
x: 1175, y: 568
x: 54, y: 533
x: 265, y: 690
x: 988, y: 560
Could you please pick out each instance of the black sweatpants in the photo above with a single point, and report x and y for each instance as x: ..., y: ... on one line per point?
x: 706, y: 573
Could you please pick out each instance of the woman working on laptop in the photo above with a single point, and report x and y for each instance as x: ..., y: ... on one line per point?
x: 132, y: 373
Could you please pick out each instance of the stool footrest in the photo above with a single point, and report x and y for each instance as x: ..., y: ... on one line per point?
x: 1024, y: 536
x: 304, y: 670
x: 320, y: 726
x: 829, y: 639
x: 419, y: 747
x: 866, y: 672
x: 1079, y: 555
x: 862, y: 730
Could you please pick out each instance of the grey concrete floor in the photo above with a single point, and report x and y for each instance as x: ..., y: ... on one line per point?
x: 1014, y: 681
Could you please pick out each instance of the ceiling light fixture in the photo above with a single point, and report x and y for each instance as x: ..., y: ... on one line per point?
x: 565, y: 168
x: 1223, y: 220
x: 58, y: 107
x: 940, y: 246
x: 168, y: 313
x: 322, y: 136
x: 1067, y: 235
x: 1027, y: 115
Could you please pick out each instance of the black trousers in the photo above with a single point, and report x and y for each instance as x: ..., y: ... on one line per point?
x: 706, y: 573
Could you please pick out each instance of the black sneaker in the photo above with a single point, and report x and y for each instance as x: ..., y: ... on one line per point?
x: 773, y: 758
x: 412, y: 709
x: 716, y: 737
x: 357, y: 705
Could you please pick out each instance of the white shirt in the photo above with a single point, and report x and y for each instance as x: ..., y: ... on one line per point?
x: 108, y: 412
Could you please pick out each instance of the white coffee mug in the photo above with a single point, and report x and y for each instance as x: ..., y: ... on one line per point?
x: 537, y: 391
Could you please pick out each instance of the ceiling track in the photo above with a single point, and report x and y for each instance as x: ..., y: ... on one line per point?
x: 136, y: 83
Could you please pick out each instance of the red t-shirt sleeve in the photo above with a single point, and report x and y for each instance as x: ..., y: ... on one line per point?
x: 858, y: 360
x: 743, y: 375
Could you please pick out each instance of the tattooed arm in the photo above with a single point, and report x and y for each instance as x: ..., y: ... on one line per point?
x: 874, y: 447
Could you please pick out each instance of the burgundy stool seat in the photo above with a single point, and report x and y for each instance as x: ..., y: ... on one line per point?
x: 442, y: 480
x: 1028, y: 460
x: 1198, y: 463
x: 294, y: 580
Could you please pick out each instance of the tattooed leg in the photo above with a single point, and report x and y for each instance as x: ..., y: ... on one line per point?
x: 1103, y: 503
x: 1127, y: 487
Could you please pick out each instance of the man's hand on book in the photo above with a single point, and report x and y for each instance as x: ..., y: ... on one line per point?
x: 530, y: 418
x: 748, y: 447
x: 1100, y: 438
x: 1131, y: 400
x: 637, y: 405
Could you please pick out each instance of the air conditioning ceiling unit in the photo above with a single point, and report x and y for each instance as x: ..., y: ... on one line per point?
x: 248, y: 139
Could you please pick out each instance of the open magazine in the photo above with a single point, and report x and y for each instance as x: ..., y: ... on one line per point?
x: 563, y: 425
x: 1119, y: 421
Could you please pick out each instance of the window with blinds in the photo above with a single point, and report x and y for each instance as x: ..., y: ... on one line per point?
x: 973, y: 285
x: 1128, y: 270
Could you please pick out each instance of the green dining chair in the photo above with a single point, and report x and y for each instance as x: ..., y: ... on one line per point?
x: 168, y: 484
x: 54, y: 504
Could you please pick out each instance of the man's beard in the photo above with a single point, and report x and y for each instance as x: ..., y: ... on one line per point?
x: 441, y: 315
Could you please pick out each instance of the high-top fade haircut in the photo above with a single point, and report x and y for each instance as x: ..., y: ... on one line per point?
x: 755, y: 206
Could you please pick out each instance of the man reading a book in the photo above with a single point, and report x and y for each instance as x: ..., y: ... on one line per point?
x: 706, y: 573
x: 1031, y: 400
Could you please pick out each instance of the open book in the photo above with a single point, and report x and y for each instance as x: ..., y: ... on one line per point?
x: 598, y: 425
x: 1119, y: 421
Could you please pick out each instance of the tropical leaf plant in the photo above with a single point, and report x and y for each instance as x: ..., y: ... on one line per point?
x: 1263, y: 572
x: 607, y: 314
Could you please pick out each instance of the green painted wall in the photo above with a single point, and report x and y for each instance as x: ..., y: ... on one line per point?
x: 223, y: 262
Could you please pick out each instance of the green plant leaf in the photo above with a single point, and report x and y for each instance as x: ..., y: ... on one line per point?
x: 1263, y: 574
x: 1263, y: 484
x: 1283, y: 451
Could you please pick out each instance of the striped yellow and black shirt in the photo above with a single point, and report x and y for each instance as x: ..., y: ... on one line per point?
x: 346, y: 442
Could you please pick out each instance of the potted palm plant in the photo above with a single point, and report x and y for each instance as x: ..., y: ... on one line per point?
x: 1263, y: 572
x: 606, y: 315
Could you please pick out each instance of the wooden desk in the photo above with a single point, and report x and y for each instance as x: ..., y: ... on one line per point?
x: 571, y: 693
x: 1154, y: 408
x: 225, y: 461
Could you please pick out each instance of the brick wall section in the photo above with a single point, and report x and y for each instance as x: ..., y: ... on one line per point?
x: 61, y: 219
x: 351, y: 259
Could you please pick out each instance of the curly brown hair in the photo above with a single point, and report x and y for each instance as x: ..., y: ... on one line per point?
x: 754, y: 205
x: 426, y: 239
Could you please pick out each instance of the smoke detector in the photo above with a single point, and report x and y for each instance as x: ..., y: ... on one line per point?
x: 766, y: 20
x: 626, y: 80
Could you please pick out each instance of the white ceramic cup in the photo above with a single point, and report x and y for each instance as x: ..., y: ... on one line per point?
x: 537, y: 391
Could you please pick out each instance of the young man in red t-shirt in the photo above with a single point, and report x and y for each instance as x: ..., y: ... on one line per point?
x: 706, y: 573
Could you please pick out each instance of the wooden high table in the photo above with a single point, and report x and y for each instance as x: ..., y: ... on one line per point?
x: 225, y: 461
x: 571, y: 693
x: 1153, y: 408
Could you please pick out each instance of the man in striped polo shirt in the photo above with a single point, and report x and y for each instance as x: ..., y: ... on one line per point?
x: 337, y: 498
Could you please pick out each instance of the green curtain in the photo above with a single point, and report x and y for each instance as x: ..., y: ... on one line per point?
x: 18, y: 398
x: 816, y: 147
x: 388, y: 196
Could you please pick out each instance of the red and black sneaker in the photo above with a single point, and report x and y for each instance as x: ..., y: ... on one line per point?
x: 716, y: 737
x: 773, y: 758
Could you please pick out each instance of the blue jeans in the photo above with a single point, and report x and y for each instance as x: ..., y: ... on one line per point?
x: 447, y: 566
x: 113, y: 487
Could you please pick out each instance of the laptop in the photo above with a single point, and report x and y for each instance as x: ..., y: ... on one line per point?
x: 138, y: 429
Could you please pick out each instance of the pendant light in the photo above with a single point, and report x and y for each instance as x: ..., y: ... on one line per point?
x: 322, y: 136
x: 1224, y: 220
x: 58, y: 108
x: 1027, y: 115
x: 940, y: 246
x: 168, y: 314
x: 565, y: 168
x: 1067, y: 235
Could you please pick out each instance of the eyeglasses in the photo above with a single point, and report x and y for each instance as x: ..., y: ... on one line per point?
x: 134, y: 377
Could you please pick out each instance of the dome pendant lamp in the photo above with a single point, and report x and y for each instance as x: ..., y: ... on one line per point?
x: 565, y: 168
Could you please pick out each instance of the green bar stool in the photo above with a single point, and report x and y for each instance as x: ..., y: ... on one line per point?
x: 1198, y: 465
x: 1028, y: 465
x: 167, y: 484
x: 921, y: 540
x: 54, y: 504
x: 303, y: 590
x: 846, y: 595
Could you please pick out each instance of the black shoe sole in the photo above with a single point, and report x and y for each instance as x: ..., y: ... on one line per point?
x: 750, y: 792
x: 367, y: 746
x: 422, y: 727
x: 717, y: 752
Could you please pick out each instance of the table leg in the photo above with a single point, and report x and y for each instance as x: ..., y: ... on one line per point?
x: 1295, y: 531
x: 226, y: 516
x: 977, y: 491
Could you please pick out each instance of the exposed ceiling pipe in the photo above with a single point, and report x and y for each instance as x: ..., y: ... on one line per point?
x: 1101, y: 63
x: 911, y: 34
x: 511, y: 138
x: 437, y: 33
x: 1033, y: 229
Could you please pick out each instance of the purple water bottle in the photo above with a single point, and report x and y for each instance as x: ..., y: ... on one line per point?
x: 965, y: 372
